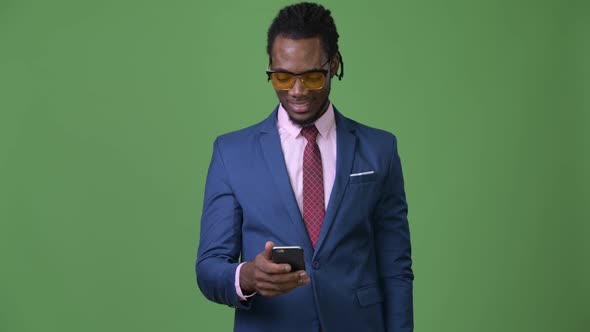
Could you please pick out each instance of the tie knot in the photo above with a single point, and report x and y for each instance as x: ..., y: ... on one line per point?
x: 310, y: 133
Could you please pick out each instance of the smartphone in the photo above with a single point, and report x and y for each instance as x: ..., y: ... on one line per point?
x: 292, y: 255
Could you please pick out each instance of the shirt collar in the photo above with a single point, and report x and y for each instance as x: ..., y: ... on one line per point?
x: 324, y: 124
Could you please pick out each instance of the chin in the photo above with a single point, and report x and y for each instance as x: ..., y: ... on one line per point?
x: 302, y: 121
x: 309, y: 116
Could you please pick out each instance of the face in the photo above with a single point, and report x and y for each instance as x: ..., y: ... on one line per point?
x: 304, y: 106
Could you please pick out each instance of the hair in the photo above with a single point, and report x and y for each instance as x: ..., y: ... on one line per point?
x: 306, y: 20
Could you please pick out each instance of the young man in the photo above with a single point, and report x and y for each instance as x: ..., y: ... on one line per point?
x: 307, y: 176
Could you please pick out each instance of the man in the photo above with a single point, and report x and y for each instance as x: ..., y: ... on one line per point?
x: 307, y: 176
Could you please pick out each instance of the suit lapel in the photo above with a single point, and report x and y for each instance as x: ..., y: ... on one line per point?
x: 345, y: 150
x: 273, y: 154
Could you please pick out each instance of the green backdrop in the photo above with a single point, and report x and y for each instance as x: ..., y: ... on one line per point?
x: 108, y: 111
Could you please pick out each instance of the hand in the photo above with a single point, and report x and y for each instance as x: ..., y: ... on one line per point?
x: 267, y: 278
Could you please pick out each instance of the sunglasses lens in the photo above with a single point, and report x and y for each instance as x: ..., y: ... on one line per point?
x: 314, y: 80
x: 282, y: 81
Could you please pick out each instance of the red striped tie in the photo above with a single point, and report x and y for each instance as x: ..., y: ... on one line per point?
x: 313, y: 185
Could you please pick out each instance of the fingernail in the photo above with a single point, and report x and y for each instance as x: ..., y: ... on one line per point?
x: 302, y: 275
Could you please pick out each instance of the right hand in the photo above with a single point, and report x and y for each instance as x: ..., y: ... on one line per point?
x: 267, y: 278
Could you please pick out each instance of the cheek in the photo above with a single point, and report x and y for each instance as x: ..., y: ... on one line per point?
x: 320, y: 96
x: 281, y: 94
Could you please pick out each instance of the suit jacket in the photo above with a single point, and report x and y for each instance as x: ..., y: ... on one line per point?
x: 360, y: 270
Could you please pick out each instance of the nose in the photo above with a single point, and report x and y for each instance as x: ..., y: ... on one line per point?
x: 298, y: 88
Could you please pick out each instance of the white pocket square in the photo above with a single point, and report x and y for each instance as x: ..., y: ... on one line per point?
x: 362, y: 173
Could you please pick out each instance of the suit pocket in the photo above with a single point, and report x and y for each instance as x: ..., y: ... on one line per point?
x: 369, y: 295
x: 365, y: 178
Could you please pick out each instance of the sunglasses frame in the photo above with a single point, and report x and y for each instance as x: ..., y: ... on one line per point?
x: 269, y: 71
x: 325, y: 72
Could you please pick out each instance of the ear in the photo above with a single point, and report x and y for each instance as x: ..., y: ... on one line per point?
x: 335, y: 63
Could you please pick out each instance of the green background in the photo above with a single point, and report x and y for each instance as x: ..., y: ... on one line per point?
x: 108, y: 111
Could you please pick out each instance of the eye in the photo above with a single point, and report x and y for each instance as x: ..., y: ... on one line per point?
x: 283, y: 77
x: 314, y: 77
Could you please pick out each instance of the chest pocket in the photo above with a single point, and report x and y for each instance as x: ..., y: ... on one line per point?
x: 357, y: 178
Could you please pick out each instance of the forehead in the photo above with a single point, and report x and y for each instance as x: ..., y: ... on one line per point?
x: 297, y: 54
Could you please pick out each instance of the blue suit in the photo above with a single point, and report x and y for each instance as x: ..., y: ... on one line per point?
x: 361, y: 268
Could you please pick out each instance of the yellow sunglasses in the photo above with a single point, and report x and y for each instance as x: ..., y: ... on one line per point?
x: 313, y: 79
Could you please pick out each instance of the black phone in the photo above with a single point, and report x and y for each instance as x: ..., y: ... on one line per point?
x: 292, y: 255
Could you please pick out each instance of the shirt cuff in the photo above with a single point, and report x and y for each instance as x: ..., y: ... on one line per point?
x: 241, y: 296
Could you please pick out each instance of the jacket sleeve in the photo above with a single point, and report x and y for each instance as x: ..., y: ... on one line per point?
x: 393, y: 248
x: 220, y: 240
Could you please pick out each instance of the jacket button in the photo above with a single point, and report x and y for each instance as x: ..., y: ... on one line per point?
x: 316, y: 264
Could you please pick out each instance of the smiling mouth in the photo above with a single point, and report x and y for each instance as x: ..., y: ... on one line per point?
x: 299, y: 107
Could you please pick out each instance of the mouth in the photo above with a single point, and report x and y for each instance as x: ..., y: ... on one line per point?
x: 299, y: 107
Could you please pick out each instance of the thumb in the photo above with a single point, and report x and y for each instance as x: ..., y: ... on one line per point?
x: 268, y: 249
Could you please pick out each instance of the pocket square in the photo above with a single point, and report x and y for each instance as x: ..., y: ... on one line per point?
x: 362, y: 173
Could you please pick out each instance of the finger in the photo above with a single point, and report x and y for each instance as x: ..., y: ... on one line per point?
x: 264, y: 261
x: 280, y: 280
x: 297, y: 278
x: 269, y: 267
x: 268, y: 249
x: 268, y: 293
x: 304, y: 279
x: 271, y: 289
